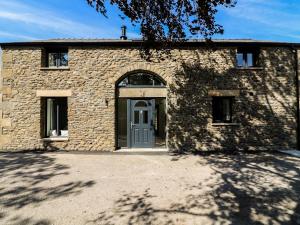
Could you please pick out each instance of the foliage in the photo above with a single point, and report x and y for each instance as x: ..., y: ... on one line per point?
x: 169, y: 20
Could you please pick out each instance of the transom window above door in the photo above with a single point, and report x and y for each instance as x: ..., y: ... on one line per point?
x: 141, y: 79
x: 141, y: 104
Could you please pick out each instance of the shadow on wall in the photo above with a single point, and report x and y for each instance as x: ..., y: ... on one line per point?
x: 22, y: 175
x: 265, y: 110
x: 242, y: 189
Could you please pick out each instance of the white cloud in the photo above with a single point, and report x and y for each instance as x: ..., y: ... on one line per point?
x: 277, y: 16
x: 45, y: 20
x: 50, y: 22
x: 16, y: 36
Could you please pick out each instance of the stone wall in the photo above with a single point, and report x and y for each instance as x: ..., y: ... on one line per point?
x: 264, y: 108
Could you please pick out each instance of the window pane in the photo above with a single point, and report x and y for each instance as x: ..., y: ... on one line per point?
x: 217, y: 116
x: 226, y: 110
x: 57, y: 59
x: 63, y: 59
x: 250, y: 60
x: 52, y: 59
x: 57, y: 117
x: 145, y: 116
x: 136, y: 117
x: 62, y: 113
x: 141, y: 104
x: 222, y: 109
x: 50, y: 123
x: 141, y: 79
x: 157, y: 82
x: 240, y: 59
x: 122, y: 122
x: 124, y: 82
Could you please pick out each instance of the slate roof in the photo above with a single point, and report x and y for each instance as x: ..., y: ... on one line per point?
x: 139, y: 42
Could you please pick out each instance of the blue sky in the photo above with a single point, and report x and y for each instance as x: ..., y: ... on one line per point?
x: 25, y: 20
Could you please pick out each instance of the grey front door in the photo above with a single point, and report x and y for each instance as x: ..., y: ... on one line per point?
x: 141, y: 131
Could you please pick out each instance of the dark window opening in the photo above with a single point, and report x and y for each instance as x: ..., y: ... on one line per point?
x: 56, y: 58
x: 222, y: 109
x: 247, y: 58
x: 141, y: 79
x: 56, y: 117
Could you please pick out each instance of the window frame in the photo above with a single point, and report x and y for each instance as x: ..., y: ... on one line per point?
x: 245, y: 57
x: 60, y: 52
x: 47, y: 121
x: 218, y: 99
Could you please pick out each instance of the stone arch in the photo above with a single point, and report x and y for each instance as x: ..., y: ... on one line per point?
x: 147, y: 68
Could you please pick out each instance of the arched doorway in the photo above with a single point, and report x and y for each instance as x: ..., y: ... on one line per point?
x: 141, y: 111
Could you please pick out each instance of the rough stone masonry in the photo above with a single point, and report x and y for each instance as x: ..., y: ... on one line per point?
x: 265, y: 97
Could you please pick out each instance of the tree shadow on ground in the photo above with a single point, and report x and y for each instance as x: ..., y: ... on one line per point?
x: 255, y: 189
x: 23, y: 175
x: 243, y: 189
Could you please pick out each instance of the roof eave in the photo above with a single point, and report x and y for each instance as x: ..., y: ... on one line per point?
x: 139, y: 43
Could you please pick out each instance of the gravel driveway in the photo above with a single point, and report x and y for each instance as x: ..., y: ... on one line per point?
x: 56, y: 188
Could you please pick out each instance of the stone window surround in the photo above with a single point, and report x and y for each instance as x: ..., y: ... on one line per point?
x: 54, y: 93
x: 249, y: 68
x: 224, y: 93
x: 51, y: 139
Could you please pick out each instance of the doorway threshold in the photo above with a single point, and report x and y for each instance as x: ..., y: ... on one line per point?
x: 146, y: 151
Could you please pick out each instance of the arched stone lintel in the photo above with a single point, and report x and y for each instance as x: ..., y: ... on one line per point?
x: 141, y: 67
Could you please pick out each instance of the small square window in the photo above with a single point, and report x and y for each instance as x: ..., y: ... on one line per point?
x: 56, y: 117
x: 56, y: 58
x: 222, y: 109
x: 247, y: 58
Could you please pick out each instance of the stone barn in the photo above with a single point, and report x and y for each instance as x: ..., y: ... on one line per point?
x: 102, y: 95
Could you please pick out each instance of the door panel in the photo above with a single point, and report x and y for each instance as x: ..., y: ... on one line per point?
x: 146, y: 139
x: 141, y: 120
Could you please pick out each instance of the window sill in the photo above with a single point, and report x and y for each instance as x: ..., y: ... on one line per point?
x: 56, y: 139
x: 249, y: 68
x: 55, y: 68
x: 225, y: 124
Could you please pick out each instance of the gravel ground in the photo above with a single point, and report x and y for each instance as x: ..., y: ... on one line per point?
x: 58, y: 188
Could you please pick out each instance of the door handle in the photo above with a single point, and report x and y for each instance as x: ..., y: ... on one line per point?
x: 131, y: 125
